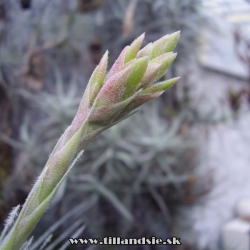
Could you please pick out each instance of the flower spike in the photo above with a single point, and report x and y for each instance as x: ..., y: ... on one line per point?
x: 109, y: 98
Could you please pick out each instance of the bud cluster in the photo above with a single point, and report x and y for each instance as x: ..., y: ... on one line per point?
x: 111, y: 97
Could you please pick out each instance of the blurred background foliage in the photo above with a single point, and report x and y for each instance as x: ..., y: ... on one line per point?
x: 135, y: 178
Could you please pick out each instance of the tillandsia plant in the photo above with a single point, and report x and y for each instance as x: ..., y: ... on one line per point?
x: 108, y: 99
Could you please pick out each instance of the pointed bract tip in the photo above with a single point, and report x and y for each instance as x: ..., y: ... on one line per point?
x: 106, y: 53
x: 142, y: 36
x: 174, y: 55
x: 105, y: 57
x: 136, y: 44
x: 178, y: 32
x: 176, y: 35
x: 160, y: 86
x: 177, y: 78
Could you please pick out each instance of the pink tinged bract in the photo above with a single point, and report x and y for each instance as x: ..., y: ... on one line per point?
x: 118, y: 64
x: 113, y: 89
x: 150, y: 75
x: 146, y: 51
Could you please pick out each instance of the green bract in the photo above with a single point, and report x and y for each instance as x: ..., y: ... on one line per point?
x: 108, y: 99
